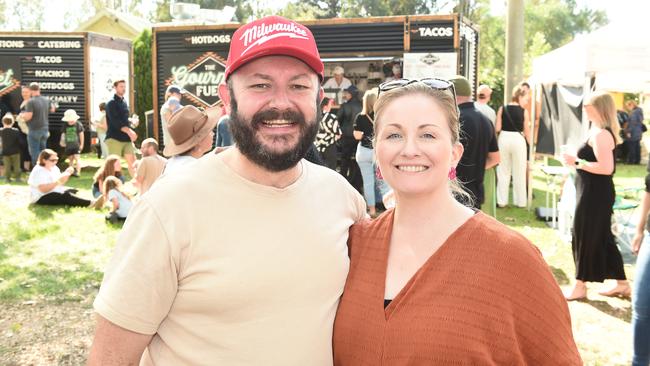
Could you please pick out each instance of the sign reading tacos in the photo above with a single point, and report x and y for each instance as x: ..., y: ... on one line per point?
x: 200, y: 79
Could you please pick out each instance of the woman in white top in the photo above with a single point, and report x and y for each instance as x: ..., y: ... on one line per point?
x: 47, y: 183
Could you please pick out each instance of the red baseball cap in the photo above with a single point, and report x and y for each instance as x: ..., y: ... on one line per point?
x: 273, y: 36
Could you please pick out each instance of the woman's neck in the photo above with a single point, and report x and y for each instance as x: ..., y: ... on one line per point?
x: 427, y: 211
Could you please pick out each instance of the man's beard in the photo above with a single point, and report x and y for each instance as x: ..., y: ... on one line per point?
x: 243, y: 133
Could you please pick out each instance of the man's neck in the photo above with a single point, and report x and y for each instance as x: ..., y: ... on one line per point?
x: 119, y: 96
x: 256, y: 174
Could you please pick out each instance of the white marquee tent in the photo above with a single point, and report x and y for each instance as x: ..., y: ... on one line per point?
x: 617, y: 55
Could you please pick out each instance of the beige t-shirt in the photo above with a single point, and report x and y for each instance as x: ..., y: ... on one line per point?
x: 228, y: 272
x: 150, y: 168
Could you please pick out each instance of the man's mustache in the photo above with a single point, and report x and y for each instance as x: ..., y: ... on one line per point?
x: 288, y: 115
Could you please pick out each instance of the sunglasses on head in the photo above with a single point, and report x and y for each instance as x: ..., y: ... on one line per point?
x: 433, y: 83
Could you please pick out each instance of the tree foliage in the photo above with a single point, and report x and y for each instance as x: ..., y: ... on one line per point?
x: 143, y: 82
x: 548, y: 24
x: 325, y: 9
x: 243, y: 8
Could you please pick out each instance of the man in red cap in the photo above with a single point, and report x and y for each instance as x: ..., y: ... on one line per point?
x: 242, y: 259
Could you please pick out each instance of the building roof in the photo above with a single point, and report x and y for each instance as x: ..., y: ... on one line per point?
x: 130, y: 23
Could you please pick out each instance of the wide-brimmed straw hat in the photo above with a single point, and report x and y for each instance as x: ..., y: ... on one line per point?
x: 188, y: 126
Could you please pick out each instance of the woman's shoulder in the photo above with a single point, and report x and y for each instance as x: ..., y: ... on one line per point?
x: 371, y: 230
x: 503, y: 242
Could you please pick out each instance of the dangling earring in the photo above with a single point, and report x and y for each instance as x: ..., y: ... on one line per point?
x: 378, y: 173
x: 452, y: 173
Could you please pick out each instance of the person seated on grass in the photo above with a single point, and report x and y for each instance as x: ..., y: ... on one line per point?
x: 120, y: 200
x: 72, y: 139
x: 47, y: 183
x: 111, y: 168
x: 11, y: 147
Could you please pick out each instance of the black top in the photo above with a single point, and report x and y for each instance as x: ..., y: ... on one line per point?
x: 11, y: 142
x: 386, y: 303
x: 346, y: 115
x: 117, y: 116
x: 512, y: 118
x: 478, y: 138
x: 364, y: 124
x: 71, y: 133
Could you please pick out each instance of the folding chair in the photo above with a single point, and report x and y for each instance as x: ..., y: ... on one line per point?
x: 623, y: 226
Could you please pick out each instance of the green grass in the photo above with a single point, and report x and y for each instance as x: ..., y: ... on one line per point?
x: 53, y: 253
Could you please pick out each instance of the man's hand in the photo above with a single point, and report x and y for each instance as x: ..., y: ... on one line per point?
x: 132, y: 135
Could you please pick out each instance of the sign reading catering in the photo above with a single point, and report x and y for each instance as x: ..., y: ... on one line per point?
x: 200, y: 79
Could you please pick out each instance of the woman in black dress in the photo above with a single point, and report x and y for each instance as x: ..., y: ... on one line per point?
x: 594, y: 248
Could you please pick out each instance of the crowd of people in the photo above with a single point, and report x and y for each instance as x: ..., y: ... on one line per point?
x: 315, y: 281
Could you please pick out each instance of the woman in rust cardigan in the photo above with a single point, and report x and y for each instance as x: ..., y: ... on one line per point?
x: 433, y: 282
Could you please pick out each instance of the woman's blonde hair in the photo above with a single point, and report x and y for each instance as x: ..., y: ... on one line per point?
x: 446, y: 101
x: 112, y: 182
x: 604, y: 105
x: 369, y: 100
x: 518, y: 92
x: 45, y: 155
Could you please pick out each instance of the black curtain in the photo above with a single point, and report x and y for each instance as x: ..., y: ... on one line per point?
x: 561, y: 117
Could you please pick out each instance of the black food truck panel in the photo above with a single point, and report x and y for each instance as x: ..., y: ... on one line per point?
x: 56, y: 63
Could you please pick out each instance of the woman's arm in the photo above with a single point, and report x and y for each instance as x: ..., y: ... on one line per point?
x: 603, y: 144
x: 526, y: 127
x: 497, y: 126
x: 47, y: 187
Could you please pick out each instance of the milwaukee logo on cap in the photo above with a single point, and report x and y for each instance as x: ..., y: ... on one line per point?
x: 273, y: 36
x: 259, y: 34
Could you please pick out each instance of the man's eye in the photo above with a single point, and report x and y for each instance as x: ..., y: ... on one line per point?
x: 300, y: 87
x: 260, y: 86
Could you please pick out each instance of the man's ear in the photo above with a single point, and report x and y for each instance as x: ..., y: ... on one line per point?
x: 224, y: 94
x: 321, y: 94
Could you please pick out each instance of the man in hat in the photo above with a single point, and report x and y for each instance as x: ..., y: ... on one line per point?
x: 338, y: 81
x: 346, y: 115
x: 191, y: 135
x: 484, y: 96
x: 173, y: 96
x: 479, y: 140
x: 242, y: 260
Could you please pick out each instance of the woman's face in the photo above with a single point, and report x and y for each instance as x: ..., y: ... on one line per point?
x: 117, y: 166
x: 592, y: 114
x: 51, y: 161
x: 414, y: 149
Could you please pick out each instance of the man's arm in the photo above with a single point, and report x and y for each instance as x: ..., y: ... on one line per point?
x: 114, y: 345
x: 493, y: 158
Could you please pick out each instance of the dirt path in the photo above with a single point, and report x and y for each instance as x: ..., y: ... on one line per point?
x: 45, y: 334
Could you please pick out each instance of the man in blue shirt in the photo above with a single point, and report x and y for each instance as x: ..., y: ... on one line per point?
x: 120, y: 136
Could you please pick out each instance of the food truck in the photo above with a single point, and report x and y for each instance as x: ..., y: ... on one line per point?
x: 194, y: 57
x: 74, y: 70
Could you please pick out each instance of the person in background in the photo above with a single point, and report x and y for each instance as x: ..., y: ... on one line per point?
x: 150, y: 167
x: 11, y: 146
x: 396, y: 72
x: 433, y: 282
x: 223, y: 136
x: 490, y: 179
x: 595, y: 252
x: 101, y: 127
x: 365, y: 157
x: 481, y: 150
x: 484, y: 96
x: 641, y: 285
x: 329, y: 132
x: 191, y: 134
x: 173, y: 96
x: 26, y: 95
x: 120, y: 201
x: 120, y: 136
x: 111, y: 168
x: 512, y: 127
x: 72, y: 136
x: 36, y: 115
x: 346, y: 115
x: 634, y: 132
x: 338, y: 81
x: 47, y: 183
x: 621, y: 149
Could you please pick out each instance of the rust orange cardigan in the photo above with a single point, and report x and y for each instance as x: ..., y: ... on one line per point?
x: 486, y: 297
